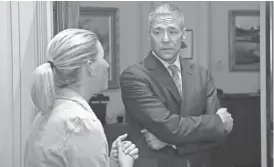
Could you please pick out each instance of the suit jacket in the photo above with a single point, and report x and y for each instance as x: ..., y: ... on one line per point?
x: 152, y: 102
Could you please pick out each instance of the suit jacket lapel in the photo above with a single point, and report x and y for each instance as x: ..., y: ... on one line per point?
x: 188, y: 83
x: 161, y: 74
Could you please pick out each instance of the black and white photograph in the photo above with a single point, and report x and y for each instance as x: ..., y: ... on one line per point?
x: 136, y: 83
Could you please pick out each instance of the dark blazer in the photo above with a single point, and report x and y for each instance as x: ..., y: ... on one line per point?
x: 152, y: 102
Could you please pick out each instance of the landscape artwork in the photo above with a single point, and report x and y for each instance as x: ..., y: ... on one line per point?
x: 244, y: 41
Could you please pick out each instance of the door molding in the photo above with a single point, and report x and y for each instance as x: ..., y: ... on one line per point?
x: 16, y: 83
x: 35, y: 49
x: 43, y: 11
x: 266, y: 82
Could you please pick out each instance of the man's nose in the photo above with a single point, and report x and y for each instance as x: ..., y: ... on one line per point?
x: 165, y: 37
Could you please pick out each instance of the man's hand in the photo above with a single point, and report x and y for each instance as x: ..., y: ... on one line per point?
x: 226, y: 119
x: 152, y: 141
x: 127, y: 148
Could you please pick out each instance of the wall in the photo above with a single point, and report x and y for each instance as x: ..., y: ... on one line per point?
x: 24, y: 42
x: 236, y: 82
x: 6, y: 121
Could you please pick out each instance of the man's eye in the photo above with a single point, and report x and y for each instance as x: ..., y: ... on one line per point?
x: 173, y: 32
x: 157, y: 32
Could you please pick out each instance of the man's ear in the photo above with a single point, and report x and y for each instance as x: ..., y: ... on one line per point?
x: 148, y: 34
x: 184, y: 34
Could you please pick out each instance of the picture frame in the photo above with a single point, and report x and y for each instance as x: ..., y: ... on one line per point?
x: 103, y: 21
x: 186, y: 50
x: 244, y: 40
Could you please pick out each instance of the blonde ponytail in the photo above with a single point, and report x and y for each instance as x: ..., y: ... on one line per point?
x: 43, y: 91
x: 66, y: 52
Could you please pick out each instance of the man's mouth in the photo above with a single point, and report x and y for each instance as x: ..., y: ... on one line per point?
x: 166, y: 49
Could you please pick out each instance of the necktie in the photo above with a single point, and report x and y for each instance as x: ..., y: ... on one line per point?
x: 175, y: 76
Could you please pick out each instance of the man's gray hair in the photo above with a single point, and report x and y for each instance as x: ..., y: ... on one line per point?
x: 163, y: 10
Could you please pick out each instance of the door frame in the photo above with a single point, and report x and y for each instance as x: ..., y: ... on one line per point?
x: 266, y: 82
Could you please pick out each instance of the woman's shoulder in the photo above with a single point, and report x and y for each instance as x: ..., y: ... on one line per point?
x: 74, y: 118
x: 67, y: 130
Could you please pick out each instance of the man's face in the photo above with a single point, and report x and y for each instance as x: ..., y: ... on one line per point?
x: 166, y: 36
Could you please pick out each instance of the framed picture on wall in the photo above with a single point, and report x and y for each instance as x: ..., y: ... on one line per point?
x: 244, y: 40
x: 103, y: 21
x: 187, y: 45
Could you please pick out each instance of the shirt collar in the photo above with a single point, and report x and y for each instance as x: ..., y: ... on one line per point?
x: 166, y: 64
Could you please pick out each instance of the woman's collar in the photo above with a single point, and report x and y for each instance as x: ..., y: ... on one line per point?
x: 69, y: 94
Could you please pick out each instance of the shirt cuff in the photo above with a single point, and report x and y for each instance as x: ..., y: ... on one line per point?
x: 174, y: 147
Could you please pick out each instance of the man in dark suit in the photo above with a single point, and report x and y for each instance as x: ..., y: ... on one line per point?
x: 171, y: 104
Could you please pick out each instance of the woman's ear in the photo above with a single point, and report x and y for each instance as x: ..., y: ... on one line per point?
x: 90, y: 68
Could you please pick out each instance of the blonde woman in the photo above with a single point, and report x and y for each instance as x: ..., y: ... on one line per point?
x: 66, y: 132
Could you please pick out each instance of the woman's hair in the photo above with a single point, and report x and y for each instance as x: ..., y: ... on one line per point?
x: 66, y: 53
